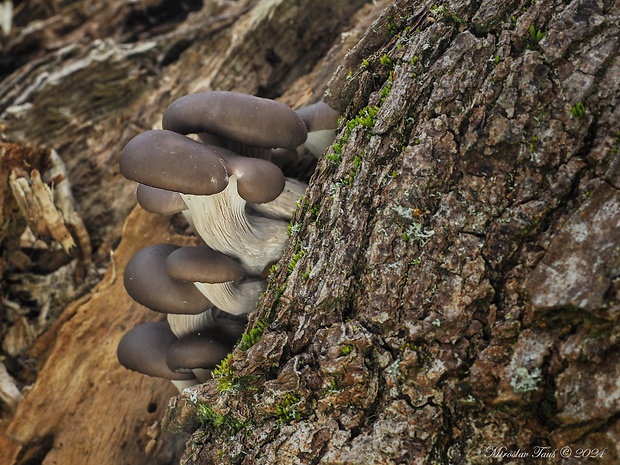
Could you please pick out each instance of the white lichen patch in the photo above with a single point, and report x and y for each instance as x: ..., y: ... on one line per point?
x: 525, y: 380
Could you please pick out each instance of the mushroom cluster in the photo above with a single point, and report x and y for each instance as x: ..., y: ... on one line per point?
x: 238, y: 202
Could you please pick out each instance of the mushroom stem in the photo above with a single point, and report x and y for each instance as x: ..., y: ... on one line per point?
x: 221, y: 221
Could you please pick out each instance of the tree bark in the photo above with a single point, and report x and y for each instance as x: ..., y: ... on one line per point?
x: 450, y: 290
x: 449, y: 293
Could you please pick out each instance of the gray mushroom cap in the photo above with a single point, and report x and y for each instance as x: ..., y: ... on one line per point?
x: 171, y: 161
x: 243, y: 118
x: 202, y: 264
x: 195, y: 352
x: 258, y: 181
x: 147, y: 282
x: 144, y: 349
x: 321, y: 122
x: 161, y: 201
x: 318, y: 117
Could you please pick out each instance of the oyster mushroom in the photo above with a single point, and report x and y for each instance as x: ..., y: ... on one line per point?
x: 237, y: 117
x: 228, y: 326
x: 159, y: 201
x: 144, y: 349
x: 283, y: 206
x: 220, y: 278
x: 321, y: 122
x: 163, y: 202
x: 243, y: 123
x: 197, y: 355
x: 147, y: 282
x: 215, y: 184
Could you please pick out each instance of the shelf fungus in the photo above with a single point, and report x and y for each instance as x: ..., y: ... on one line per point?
x: 241, y: 121
x: 216, y: 184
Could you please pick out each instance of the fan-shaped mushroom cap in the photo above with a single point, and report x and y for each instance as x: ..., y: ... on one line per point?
x: 258, y: 181
x: 147, y: 282
x: 161, y: 201
x: 202, y: 264
x: 253, y: 121
x: 171, y: 161
x: 196, y: 352
x: 144, y: 349
x: 318, y: 116
x: 217, y: 276
x: 321, y: 121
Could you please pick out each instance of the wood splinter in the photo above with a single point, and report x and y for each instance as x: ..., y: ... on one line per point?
x: 36, y: 204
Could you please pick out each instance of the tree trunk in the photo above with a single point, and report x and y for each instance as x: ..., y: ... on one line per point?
x: 450, y: 290
x: 449, y: 293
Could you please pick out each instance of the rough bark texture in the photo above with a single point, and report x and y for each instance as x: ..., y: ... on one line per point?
x: 451, y: 283
x: 450, y: 292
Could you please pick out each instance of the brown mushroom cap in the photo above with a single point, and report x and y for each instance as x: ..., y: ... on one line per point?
x: 253, y: 121
x: 144, y: 349
x: 171, y: 161
x: 196, y: 351
x: 318, y: 117
x: 160, y: 201
x: 147, y: 282
x: 203, y: 265
x: 258, y: 181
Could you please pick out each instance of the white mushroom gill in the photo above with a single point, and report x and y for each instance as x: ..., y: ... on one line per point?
x: 283, y: 206
x: 182, y: 384
x: 318, y: 141
x: 183, y: 325
x: 221, y: 221
x: 233, y: 298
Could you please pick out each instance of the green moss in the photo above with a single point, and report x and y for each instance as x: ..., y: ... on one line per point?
x: 287, y: 410
x: 228, y: 422
x: 227, y: 380
x: 615, y: 144
x: 578, y: 110
x: 366, y: 118
x: 385, y: 60
x: 386, y: 91
x: 393, y: 30
x: 294, y: 259
x: 536, y: 34
x: 251, y: 337
x: 445, y: 14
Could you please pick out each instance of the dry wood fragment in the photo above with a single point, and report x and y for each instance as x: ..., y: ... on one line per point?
x: 9, y: 392
x: 36, y: 204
